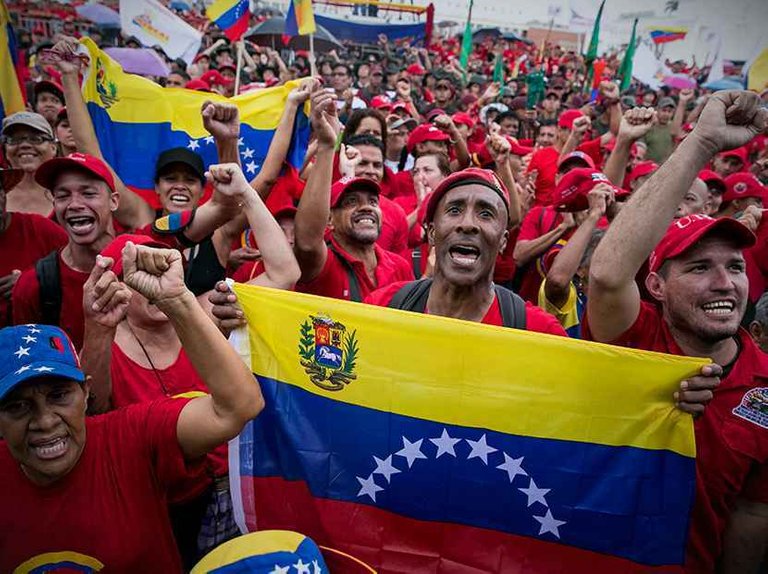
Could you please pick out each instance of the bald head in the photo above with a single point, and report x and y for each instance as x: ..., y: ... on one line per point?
x: 696, y: 200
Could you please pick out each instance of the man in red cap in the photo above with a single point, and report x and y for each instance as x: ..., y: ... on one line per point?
x: 730, y: 162
x: 716, y: 188
x: 350, y: 264
x: 216, y: 81
x: 49, y: 99
x: 698, y: 278
x: 742, y: 191
x: 467, y: 218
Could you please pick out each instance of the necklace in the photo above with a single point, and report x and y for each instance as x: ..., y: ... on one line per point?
x: 149, y: 360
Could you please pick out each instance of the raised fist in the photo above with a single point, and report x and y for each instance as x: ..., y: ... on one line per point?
x: 157, y: 274
x: 636, y: 123
x: 729, y: 120
x: 221, y: 120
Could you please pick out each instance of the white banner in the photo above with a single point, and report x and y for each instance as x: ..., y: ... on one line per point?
x: 647, y: 68
x: 154, y: 25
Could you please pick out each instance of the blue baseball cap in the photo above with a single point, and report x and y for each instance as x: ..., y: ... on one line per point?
x: 32, y: 351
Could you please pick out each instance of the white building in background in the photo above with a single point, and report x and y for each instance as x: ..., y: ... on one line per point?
x: 742, y: 24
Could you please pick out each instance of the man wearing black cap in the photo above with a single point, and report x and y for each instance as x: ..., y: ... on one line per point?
x: 49, y: 99
x: 698, y: 278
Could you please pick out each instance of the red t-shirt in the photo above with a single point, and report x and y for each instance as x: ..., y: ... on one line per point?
x: 505, y: 262
x: 133, y: 383
x: 537, y: 320
x: 538, y: 221
x: 757, y: 263
x: 26, y: 301
x: 27, y: 238
x: 731, y: 436
x: 111, y: 509
x: 333, y: 281
x: 545, y: 162
x: 394, y: 226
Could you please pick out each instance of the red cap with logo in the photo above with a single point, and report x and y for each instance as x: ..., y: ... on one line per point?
x: 426, y: 133
x: 683, y: 233
x: 46, y: 174
x: 346, y: 184
x: 464, y: 119
x: 742, y: 185
x: 709, y: 177
x: 577, y: 157
x: 381, y: 103
x: 567, y: 118
x: 642, y: 169
x: 416, y: 70
x: 574, y: 187
x: 471, y: 175
x: 740, y: 153
x: 115, y: 248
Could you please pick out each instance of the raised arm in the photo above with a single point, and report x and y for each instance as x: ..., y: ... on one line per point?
x: 566, y: 264
x: 527, y: 250
x: 132, y: 211
x: 105, y: 303
x: 499, y: 148
x: 280, y: 266
x: 314, y: 207
x: 729, y: 120
x: 445, y: 124
x: 634, y: 125
x: 676, y: 127
x: 235, y: 397
x: 580, y: 127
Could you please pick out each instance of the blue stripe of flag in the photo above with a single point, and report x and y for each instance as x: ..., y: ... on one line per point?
x: 623, y: 501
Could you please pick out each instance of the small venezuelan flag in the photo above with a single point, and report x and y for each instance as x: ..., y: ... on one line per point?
x: 11, y: 94
x: 300, y: 19
x: 664, y: 34
x: 409, y: 441
x: 231, y: 16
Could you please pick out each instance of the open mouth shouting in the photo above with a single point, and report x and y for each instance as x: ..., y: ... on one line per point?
x: 464, y: 255
x: 50, y: 448
x: 81, y: 224
x: 366, y: 219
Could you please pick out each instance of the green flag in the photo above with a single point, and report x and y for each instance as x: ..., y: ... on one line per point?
x: 498, y: 69
x: 591, y: 54
x: 466, y: 44
x: 625, y: 71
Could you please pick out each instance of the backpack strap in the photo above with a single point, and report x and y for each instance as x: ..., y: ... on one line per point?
x: 512, y: 308
x: 49, y: 278
x: 416, y: 261
x: 412, y: 296
x: 354, y: 284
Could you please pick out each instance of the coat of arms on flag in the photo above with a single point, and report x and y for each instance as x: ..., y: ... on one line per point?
x: 327, y: 354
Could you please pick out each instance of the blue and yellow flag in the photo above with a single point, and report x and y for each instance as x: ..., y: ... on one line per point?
x: 231, y: 16
x: 136, y: 119
x: 300, y: 19
x: 11, y: 94
x: 413, y: 440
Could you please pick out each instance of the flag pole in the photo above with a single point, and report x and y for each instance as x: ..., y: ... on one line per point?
x: 312, y: 62
x: 240, y: 49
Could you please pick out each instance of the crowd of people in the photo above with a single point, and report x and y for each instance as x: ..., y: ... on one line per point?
x: 630, y: 217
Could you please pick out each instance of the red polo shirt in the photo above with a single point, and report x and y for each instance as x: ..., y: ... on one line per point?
x: 333, y: 281
x: 394, y: 226
x: 539, y: 221
x: 536, y: 319
x: 731, y: 436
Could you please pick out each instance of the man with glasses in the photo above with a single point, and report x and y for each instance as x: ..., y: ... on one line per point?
x: 28, y: 141
x: 346, y: 100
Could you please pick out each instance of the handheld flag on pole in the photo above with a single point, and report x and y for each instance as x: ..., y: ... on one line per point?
x: 591, y: 54
x: 498, y: 69
x: 300, y: 20
x: 11, y: 94
x: 231, y: 16
x: 625, y: 71
x: 135, y: 119
x: 664, y: 34
x: 466, y: 43
x: 408, y: 439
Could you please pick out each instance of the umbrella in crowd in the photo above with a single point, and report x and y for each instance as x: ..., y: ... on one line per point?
x: 727, y: 83
x: 141, y: 61
x: 483, y: 33
x: 271, y: 32
x: 679, y: 81
x: 99, y: 14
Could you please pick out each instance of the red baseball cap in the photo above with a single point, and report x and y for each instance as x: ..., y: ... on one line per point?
x: 567, y: 118
x: 577, y: 157
x: 46, y: 174
x: 416, y: 70
x: 484, y: 177
x: 433, y: 113
x: 200, y: 57
x: 346, y: 184
x: 50, y: 87
x: 280, y: 204
x: 214, y: 77
x: 572, y: 189
x: 641, y: 169
x: 115, y: 248
x: 740, y: 153
x: 381, y: 103
x: 683, y: 234
x: 399, y: 106
x: 709, y: 177
x: 464, y: 119
x: 199, y: 85
x: 742, y: 185
x: 425, y: 133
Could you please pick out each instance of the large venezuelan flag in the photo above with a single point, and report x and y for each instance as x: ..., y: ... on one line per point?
x: 300, y: 19
x: 11, y: 94
x: 231, y: 16
x: 136, y: 119
x: 425, y: 444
